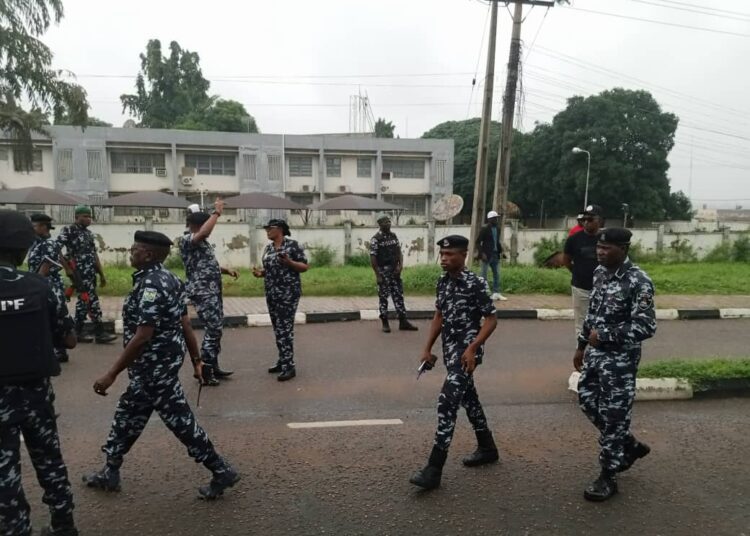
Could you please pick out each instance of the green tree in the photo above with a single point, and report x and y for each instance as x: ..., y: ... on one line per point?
x: 26, y: 73
x: 383, y: 128
x: 465, y: 136
x: 679, y: 206
x: 629, y: 138
x: 92, y: 121
x: 222, y: 115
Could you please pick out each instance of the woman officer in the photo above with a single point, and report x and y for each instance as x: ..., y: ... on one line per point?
x: 283, y: 261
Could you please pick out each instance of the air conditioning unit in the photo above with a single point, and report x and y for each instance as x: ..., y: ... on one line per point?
x: 187, y: 181
x: 305, y: 188
x: 160, y: 172
x: 343, y: 188
x: 386, y: 175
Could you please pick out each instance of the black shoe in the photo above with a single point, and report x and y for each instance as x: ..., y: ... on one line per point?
x: 209, y: 377
x: 274, y: 369
x: 107, y: 479
x: 59, y: 531
x: 218, y: 484
x: 486, y: 451
x: 602, y: 488
x: 386, y: 326
x: 430, y: 475
x: 84, y: 337
x: 105, y: 338
x: 634, y: 452
x: 405, y: 325
x: 286, y: 375
x: 219, y: 373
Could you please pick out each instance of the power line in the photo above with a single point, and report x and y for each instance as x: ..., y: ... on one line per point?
x: 686, y: 4
x: 663, y: 23
x: 702, y: 11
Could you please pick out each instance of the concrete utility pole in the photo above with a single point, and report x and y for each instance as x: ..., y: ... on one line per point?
x: 483, y: 150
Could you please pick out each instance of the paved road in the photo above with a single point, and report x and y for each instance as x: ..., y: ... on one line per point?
x: 355, y: 480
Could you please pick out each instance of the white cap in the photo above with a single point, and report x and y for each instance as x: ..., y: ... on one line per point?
x: 193, y: 208
x: 492, y: 214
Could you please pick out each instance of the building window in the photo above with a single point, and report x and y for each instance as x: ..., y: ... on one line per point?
x: 300, y: 166
x: 274, y: 167
x: 300, y: 199
x: 404, y: 168
x: 333, y: 167
x: 21, y: 163
x: 65, y: 164
x: 364, y: 168
x: 94, y: 165
x: 440, y: 173
x: 3, y: 154
x: 211, y: 164
x: 248, y: 164
x: 136, y: 162
x: 411, y: 205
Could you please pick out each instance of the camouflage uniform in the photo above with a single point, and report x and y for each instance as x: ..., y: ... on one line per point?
x: 157, y: 299
x: 81, y: 248
x: 204, y: 289
x: 49, y: 249
x: 386, y: 249
x: 622, y: 312
x: 463, y: 301
x: 28, y: 408
x: 283, y: 290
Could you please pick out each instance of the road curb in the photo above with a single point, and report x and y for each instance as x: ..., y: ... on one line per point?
x: 650, y: 388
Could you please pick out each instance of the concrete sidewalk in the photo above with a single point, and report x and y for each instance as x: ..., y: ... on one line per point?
x: 517, y: 303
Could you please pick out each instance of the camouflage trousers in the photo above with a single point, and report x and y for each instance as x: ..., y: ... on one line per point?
x: 28, y: 409
x: 58, y: 287
x: 282, y: 308
x: 91, y: 308
x: 167, y: 398
x: 391, y: 285
x: 210, y: 309
x: 458, y: 391
x: 606, y: 390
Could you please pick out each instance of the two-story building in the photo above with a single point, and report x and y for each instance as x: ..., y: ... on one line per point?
x: 102, y: 162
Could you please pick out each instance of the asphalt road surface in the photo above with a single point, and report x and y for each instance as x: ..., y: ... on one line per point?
x: 354, y: 480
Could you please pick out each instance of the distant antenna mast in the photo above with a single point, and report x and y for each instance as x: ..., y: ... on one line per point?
x: 361, y: 119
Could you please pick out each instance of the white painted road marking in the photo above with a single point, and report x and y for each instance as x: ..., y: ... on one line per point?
x: 340, y: 424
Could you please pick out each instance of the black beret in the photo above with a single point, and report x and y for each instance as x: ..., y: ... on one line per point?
x: 198, y: 218
x: 281, y: 224
x: 592, y: 210
x: 152, y: 238
x: 615, y: 235
x: 42, y: 218
x: 454, y: 242
x: 16, y: 231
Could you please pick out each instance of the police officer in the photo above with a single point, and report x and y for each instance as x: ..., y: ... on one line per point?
x: 81, y: 249
x: 32, y: 323
x: 620, y: 316
x: 156, y: 334
x: 283, y: 261
x: 465, y: 319
x: 204, y: 286
x: 45, y: 259
x: 387, y: 261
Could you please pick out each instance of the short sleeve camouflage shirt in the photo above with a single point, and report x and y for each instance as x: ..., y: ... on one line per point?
x: 201, y: 267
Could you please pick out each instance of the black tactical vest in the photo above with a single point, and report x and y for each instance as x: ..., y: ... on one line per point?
x: 25, y: 329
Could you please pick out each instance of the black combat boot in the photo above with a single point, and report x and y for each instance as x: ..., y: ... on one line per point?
x: 287, y: 374
x: 100, y: 337
x: 222, y: 480
x: 429, y: 476
x: 386, y: 325
x: 82, y: 335
x: 220, y: 373
x: 405, y: 325
x: 62, y: 525
x: 633, y: 452
x: 108, y: 479
x: 275, y: 369
x: 209, y: 376
x: 602, y: 488
x: 486, y: 450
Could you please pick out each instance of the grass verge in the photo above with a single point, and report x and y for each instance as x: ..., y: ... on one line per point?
x: 688, y: 278
x: 699, y: 372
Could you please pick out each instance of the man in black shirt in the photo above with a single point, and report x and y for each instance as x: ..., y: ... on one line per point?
x: 580, y: 258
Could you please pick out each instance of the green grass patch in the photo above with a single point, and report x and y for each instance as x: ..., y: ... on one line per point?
x: 688, y: 278
x: 699, y: 372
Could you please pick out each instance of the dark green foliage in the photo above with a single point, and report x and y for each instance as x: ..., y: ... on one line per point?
x: 741, y: 249
x: 383, y: 128
x: 546, y: 247
x: 361, y: 258
x: 699, y: 372
x: 321, y: 256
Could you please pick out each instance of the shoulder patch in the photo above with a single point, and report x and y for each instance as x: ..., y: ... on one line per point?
x: 645, y: 300
x: 149, y: 295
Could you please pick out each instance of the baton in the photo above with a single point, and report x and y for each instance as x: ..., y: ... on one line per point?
x: 200, y: 388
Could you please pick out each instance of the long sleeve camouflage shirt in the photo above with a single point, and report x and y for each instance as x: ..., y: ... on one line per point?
x: 157, y: 299
x: 621, y: 308
x: 81, y: 247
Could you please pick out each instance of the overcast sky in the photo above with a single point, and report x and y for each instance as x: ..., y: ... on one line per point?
x: 294, y: 64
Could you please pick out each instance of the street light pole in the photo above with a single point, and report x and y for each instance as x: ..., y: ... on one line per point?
x: 578, y: 150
